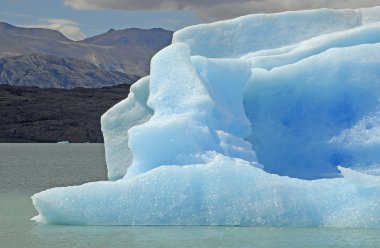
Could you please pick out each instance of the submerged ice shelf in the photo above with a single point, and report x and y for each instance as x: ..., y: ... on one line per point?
x: 264, y: 120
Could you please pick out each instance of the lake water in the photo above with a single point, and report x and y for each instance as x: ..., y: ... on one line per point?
x: 30, y: 168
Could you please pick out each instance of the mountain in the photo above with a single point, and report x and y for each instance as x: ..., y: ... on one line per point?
x: 32, y: 114
x: 48, y: 71
x: 128, y: 51
x: 154, y: 39
x: 57, y: 109
x: 37, y: 33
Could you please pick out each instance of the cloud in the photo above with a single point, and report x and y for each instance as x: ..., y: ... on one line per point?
x: 69, y: 28
x: 218, y: 9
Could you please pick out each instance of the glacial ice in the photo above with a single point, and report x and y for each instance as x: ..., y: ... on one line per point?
x: 264, y: 120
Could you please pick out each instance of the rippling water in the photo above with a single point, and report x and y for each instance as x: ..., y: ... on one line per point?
x: 30, y: 168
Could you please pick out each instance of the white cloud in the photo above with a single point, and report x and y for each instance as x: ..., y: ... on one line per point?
x: 219, y: 9
x: 68, y: 28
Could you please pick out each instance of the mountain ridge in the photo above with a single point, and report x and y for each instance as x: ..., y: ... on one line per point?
x: 48, y: 33
x: 128, y: 51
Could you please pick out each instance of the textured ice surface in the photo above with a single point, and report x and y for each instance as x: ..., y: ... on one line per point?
x: 233, y: 122
x: 225, y: 191
x: 115, y: 128
x: 302, y: 114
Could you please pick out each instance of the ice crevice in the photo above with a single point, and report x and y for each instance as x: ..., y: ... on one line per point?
x: 263, y: 120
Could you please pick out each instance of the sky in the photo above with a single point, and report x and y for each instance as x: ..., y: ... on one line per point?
x: 78, y: 19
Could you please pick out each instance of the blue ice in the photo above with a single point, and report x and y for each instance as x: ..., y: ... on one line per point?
x: 264, y: 120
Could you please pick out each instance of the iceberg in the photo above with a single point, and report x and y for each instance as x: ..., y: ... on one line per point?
x: 263, y: 120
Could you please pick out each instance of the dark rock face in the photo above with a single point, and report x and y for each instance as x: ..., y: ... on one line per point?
x: 47, y: 71
x: 31, y: 114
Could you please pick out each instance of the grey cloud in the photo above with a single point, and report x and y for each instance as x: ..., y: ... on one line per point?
x: 234, y: 9
x: 211, y: 10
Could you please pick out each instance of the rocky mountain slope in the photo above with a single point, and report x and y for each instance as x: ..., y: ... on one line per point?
x: 48, y: 71
x: 128, y: 51
x: 31, y: 114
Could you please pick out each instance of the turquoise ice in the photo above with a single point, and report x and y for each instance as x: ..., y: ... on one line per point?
x: 264, y: 120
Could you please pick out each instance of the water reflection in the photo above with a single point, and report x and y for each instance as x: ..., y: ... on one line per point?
x: 194, y: 236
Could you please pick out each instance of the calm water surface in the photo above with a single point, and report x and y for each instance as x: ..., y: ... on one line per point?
x: 30, y: 168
